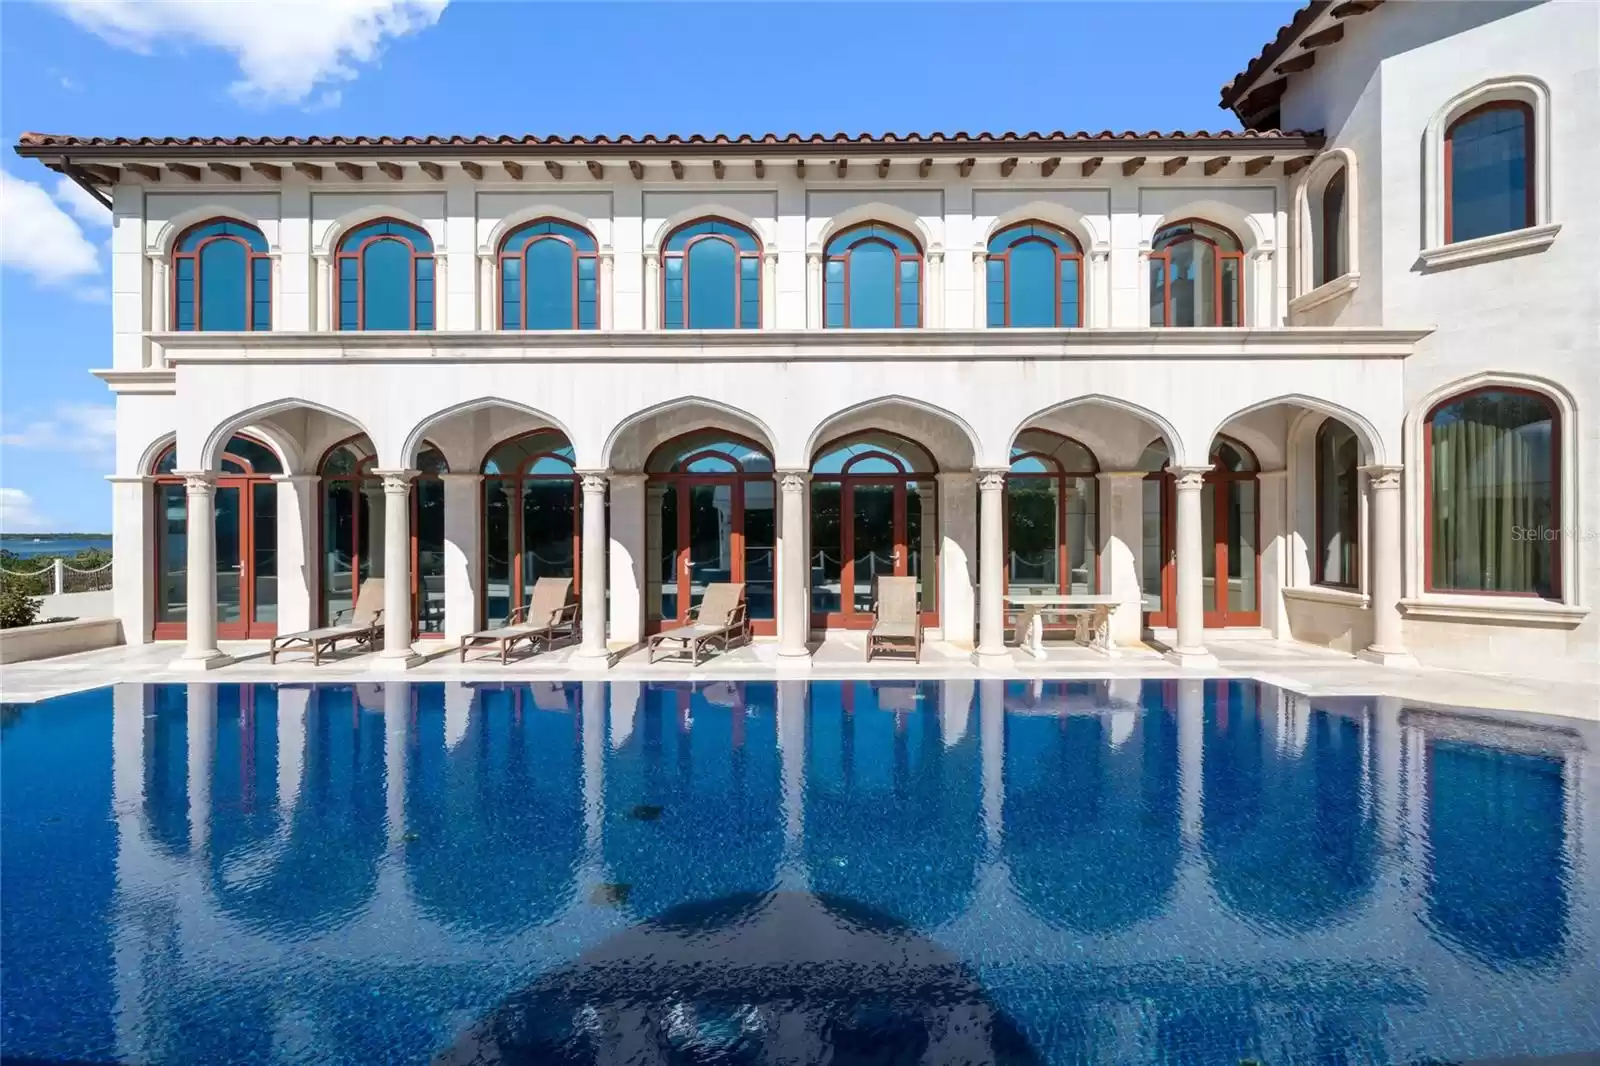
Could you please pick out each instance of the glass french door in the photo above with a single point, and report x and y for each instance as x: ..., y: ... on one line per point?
x: 716, y: 529
x: 246, y: 536
x: 1229, y: 557
x: 863, y: 528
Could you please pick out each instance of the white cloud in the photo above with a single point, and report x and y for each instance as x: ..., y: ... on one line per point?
x: 17, y: 511
x: 286, y: 50
x: 74, y: 198
x: 38, y: 237
x: 82, y: 428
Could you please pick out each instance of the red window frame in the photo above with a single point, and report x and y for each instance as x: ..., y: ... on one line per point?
x: 899, y: 257
x: 1058, y: 473
x: 250, y: 257
x: 1320, y: 558
x: 357, y: 254
x: 522, y: 293
x: 1529, y: 164
x: 1332, y: 226
x: 1218, y: 258
x: 1055, y: 292
x: 739, y: 255
x: 517, y: 481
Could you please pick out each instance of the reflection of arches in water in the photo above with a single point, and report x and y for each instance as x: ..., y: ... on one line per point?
x: 245, y: 815
x: 326, y: 869
x: 786, y: 977
x: 1497, y: 875
x: 893, y: 816
x: 166, y: 768
x: 1290, y: 841
x: 1092, y: 835
x: 494, y: 824
x: 694, y: 797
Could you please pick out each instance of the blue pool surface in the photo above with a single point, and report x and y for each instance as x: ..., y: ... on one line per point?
x: 846, y: 872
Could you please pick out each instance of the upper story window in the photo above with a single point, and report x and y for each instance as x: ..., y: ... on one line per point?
x: 1488, y: 171
x: 1338, y: 492
x: 1196, y: 276
x: 1333, y: 254
x: 385, y: 277
x: 711, y: 276
x: 872, y: 279
x: 221, y: 278
x: 1035, y: 277
x: 548, y: 277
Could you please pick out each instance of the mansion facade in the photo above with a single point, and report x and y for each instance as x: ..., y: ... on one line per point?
x: 1338, y: 386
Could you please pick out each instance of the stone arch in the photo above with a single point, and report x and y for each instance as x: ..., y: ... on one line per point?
x: 253, y: 418
x: 951, y: 440
x: 1519, y: 88
x: 153, y: 452
x: 1073, y: 222
x: 523, y: 215
x: 710, y: 209
x: 1308, y: 199
x: 1252, y: 237
x: 1373, y: 450
x: 878, y: 211
x: 630, y: 441
x: 1163, y: 425
x: 418, y: 432
x: 167, y: 236
x: 359, y: 216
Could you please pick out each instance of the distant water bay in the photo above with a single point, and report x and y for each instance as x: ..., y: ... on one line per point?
x: 25, y: 545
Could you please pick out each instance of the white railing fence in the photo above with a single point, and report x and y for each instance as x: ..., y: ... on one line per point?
x: 58, y: 577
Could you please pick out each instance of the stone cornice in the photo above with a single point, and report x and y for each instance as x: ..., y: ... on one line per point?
x: 782, y: 345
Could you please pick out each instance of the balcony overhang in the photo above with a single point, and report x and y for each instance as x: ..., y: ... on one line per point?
x: 780, y: 346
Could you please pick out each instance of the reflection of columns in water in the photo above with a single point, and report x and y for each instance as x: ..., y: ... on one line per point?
x: 292, y: 707
x: 593, y: 737
x: 1391, y: 800
x: 459, y: 698
x: 202, y: 744
x: 396, y: 720
x: 992, y: 724
x: 624, y: 707
x: 135, y: 865
x: 1191, y: 743
x: 653, y: 495
x: 793, y: 698
x: 955, y: 710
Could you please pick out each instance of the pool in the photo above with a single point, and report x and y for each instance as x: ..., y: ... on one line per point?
x: 1003, y: 871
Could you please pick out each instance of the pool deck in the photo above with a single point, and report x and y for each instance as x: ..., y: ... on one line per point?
x: 1300, y: 668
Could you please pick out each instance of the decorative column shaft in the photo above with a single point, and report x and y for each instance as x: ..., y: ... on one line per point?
x: 652, y: 289
x: 608, y: 287
x: 200, y: 616
x: 814, y: 289
x: 794, y: 582
x: 1191, y: 649
x: 396, y: 566
x: 1384, y: 540
x: 935, y: 295
x: 593, y: 604
x: 980, y: 286
x: 992, y: 563
x: 769, y: 289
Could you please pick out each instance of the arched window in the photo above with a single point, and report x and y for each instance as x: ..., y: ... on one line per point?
x: 711, y: 277
x: 872, y: 279
x: 385, y: 277
x: 1035, y: 277
x: 1333, y: 259
x: 1196, y: 276
x: 1493, y: 502
x: 221, y: 278
x: 549, y: 273
x: 1338, y: 488
x: 1051, y: 524
x: 1488, y: 171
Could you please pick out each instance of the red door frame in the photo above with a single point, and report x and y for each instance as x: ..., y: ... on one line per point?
x: 1217, y: 615
x: 847, y: 617
x: 1060, y: 475
x: 681, y: 485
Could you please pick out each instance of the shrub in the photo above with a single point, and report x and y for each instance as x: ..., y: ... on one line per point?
x: 17, y: 608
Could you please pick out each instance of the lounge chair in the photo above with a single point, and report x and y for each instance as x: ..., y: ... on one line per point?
x: 897, y: 619
x: 548, y: 612
x: 362, y: 623
x: 720, y: 619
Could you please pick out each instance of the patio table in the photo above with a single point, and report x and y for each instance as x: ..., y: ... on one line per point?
x: 1035, y: 605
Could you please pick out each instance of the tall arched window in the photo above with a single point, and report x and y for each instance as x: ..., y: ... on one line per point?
x: 1035, y: 277
x: 711, y: 277
x: 221, y: 278
x: 1492, y: 463
x: 1196, y: 276
x: 1338, y: 506
x: 872, y: 279
x: 385, y: 277
x: 531, y: 519
x: 1488, y: 171
x: 549, y: 273
x: 1333, y: 258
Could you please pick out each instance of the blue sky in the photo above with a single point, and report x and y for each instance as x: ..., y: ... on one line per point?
x: 182, y: 67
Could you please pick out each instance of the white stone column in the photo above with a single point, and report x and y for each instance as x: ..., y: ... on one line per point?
x: 488, y: 291
x: 991, y: 564
x: 1190, y: 649
x: 935, y: 289
x: 322, y: 293
x: 1121, y: 514
x: 200, y: 619
x: 593, y: 603
x: 608, y: 288
x: 297, y: 561
x: 980, y: 286
x: 1096, y: 307
x: 397, y: 570
x: 652, y: 289
x: 794, y: 579
x: 160, y: 295
x: 958, y: 556
x: 1384, y: 542
x: 814, y: 289
x: 462, y: 553
x: 769, y: 289
x: 627, y: 557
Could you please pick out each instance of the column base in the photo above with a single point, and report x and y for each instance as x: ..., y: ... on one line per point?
x: 1193, y: 658
x: 794, y: 662
x: 201, y: 663
x: 989, y: 659
x: 587, y: 659
x: 1387, y: 657
x: 400, y: 659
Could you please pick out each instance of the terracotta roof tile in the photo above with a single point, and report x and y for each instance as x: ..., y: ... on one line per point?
x: 1287, y: 34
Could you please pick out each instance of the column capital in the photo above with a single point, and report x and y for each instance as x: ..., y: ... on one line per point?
x: 396, y: 482
x: 1189, y: 478
x: 199, y: 482
x: 793, y: 481
x: 1383, y: 475
x: 992, y: 480
x: 594, y: 482
x: 628, y: 481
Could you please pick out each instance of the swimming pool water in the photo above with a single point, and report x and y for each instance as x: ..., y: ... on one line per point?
x: 1000, y: 871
